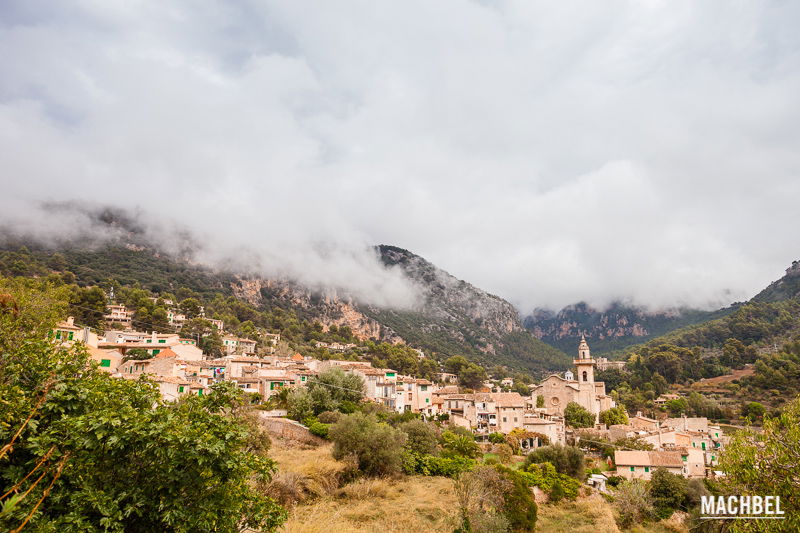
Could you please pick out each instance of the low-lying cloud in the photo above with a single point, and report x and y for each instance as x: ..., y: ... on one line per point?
x: 549, y: 153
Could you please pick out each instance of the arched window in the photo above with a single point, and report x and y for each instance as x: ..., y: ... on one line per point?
x: 585, y: 376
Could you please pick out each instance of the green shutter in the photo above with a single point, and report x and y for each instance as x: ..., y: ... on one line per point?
x: 105, y: 362
x: 162, y: 341
x: 647, y: 469
x: 155, y: 352
x: 180, y: 388
x: 200, y: 392
x: 633, y: 469
x: 703, y: 444
x: 58, y: 334
x: 70, y: 334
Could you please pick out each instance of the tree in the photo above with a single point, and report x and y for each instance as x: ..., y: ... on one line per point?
x: 472, y: 376
x: 567, y: 460
x: 539, y: 401
x: 463, y: 445
x: 753, y: 411
x: 633, y: 502
x: 421, y: 437
x: 190, y: 307
x: 767, y: 462
x: 577, y: 417
x: 376, y: 446
x: 480, y: 492
x: 677, y: 407
x: 668, y: 492
x: 613, y: 416
x: 109, y: 454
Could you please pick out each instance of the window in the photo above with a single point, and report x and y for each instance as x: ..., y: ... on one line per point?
x: 647, y: 469
x: 58, y: 334
x: 70, y: 335
x: 633, y: 469
x: 200, y: 392
x: 585, y: 376
x: 703, y: 445
x: 180, y: 388
x: 105, y: 362
x: 713, y: 458
x: 423, y: 388
x: 427, y: 400
x: 156, y: 352
x: 684, y: 457
x: 162, y: 341
x: 504, y: 419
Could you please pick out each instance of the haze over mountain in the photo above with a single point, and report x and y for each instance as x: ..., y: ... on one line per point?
x: 639, y: 152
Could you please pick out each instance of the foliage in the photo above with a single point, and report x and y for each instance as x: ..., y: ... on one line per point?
x: 319, y: 429
x: 766, y: 462
x: 112, y: 455
x: 332, y: 390
x: 566, y: 459
x: 753, y: 411
x: 481, y: 491
x: 539, y: 401
x: 431, y: 465
x: 577, y: 417
x: 455, y: 444
x: 421, y: 438
x: 613, y: 416
x: 668, y: 491
x: 504, y: 452
x: 633, y: 502
x: 496, y: 438
x: 545, y: 477
x: 376, y: 446
x: 519, y: 507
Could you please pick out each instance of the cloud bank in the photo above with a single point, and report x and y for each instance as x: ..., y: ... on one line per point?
x: 547, y: 153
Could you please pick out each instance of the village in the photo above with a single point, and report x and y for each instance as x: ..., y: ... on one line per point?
x: 689, y: 447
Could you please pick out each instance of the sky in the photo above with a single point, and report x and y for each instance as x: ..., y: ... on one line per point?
x: 547, y: 152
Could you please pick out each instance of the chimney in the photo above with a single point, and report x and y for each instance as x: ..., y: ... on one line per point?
x: 70, y: 320
x: 154, y: 337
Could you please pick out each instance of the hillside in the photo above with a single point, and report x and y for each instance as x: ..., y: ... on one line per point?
x: 456, y: 317
x: 614, y: 328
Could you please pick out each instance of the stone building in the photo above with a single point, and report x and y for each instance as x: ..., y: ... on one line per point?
x: 580, y: 387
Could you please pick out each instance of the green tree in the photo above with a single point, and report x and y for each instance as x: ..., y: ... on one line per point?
x: 539, y: 401
x: 633, y: 502
x: 463, y: 445
x: 766, y: 462
x: 108, y: 454
x: 613, y: 416
x: 190, y: 307
x: 378, y: 447
x: 668, y: 492
x: 567, y: 460
x: 753, y: 411
x: 421, y: 437
x: 577, y: 417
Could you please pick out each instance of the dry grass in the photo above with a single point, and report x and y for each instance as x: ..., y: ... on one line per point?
x: 305, y: 473
x: 586, y: 515
x: 381, y: 505
x: 309, y: 482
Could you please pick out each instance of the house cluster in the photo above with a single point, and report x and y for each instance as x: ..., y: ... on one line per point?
x: 684, y: 445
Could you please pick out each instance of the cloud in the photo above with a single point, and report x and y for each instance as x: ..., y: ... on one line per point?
x: 547, y: 153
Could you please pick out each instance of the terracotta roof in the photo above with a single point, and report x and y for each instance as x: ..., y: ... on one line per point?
x: 163, y: 354
x: 648, y: 458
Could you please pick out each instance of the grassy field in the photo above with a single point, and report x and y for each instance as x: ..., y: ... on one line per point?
x: 313, y: 486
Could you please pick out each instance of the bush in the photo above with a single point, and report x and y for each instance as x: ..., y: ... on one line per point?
x: 546, y: 478
x: 557, y: 492
x: 376, y: 446
x: 421, y: 438
x: 496, y: 438
x: 504, y: 453
x: 566, y: 459
x: 329, y: 417
x: 668, y: 492
x: 633, y: 502
x: 519, y: 507
x: 430, y: 465
x: 455, y: 444
x: 319, y: 429
x: 577, y: 417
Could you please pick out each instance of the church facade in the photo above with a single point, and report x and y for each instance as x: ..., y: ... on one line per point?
x: 580, y: 387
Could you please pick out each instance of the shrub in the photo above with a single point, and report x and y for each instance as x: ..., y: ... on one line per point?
x: 455, y: 444
x: 545, y: 477
x: 504, y: 453
x: 431, y: 465
x: 557, y: 492
x: 566, y: 459
x: 519, y: 507
x: 633, y: 502
x: 577, y: 417
x: 319, y: 429
x: 668, y: 492
x: 496, y: 438
x: 421, y: 438
x: 329, y: 417
x: 376, y: 446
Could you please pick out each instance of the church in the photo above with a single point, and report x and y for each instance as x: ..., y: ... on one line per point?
x: 558, y: 391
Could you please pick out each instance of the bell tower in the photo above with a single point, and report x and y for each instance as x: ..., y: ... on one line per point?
x: 584, y: 364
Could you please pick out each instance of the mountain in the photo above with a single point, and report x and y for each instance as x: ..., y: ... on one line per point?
x: 614, y: 328
x: 783, y: 289
x: 458, y: 318
x: 455, y: 318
